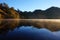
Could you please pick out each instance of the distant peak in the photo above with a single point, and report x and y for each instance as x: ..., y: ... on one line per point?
x: 52, y: 8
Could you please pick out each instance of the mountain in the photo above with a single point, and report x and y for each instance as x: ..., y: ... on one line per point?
x: 53, y: 12
x: 50, y: 13
x: 8, y: 13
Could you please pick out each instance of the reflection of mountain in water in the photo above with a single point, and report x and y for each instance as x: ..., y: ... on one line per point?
x: 11, y: 24
x: 29, y: 33
x: 7, y: 12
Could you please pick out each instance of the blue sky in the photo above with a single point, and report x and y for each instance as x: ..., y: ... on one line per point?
x: 31, y: 5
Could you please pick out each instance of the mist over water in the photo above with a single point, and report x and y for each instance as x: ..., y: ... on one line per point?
x: 51, y: 24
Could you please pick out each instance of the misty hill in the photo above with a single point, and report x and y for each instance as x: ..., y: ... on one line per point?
x: 7, y: 12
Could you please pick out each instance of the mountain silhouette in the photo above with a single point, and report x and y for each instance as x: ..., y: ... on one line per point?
x: 50, y: 13
x: 7, y: 12
x: 53, y: 13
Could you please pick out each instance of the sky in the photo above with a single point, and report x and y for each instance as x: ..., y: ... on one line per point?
x: 31, y: 5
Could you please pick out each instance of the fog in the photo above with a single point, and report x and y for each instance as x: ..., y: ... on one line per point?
x: 51, y: 24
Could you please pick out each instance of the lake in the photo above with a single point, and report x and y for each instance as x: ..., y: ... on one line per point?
x: 21, y: 30
x: 30, y: 33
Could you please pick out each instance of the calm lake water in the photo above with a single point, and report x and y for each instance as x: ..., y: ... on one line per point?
x: 30, y: 33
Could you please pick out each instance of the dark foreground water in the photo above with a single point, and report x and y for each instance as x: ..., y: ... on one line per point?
x: 30, y: 33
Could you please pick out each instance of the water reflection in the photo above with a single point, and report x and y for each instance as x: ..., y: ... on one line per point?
x: 29, y: 30
x: 11, y: 24
x: 29, y: 33
x: 6, y: 25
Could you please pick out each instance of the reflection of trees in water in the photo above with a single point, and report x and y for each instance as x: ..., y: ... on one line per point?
x: 6, y: 25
